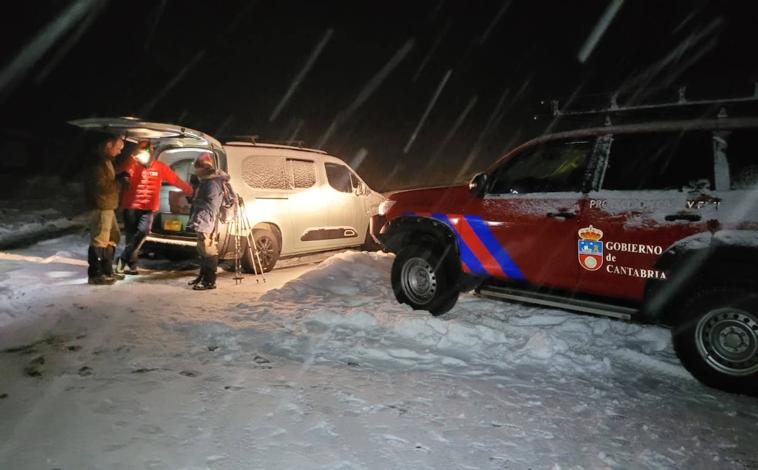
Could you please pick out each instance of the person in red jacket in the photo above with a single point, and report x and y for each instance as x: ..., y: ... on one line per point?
x: 141, y: 199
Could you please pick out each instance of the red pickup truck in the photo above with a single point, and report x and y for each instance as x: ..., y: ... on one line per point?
x: 655, y: 222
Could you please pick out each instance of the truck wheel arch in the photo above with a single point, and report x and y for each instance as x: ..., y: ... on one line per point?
x: 702, y: 260
x: 414, y: 229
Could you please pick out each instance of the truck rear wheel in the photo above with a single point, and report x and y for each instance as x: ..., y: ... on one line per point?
x: 716, y: 338
x: 425, y: 279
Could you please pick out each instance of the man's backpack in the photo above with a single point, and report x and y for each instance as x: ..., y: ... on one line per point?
x: 229, y: 204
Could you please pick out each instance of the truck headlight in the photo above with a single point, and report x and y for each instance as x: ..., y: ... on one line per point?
x: 385, y: 206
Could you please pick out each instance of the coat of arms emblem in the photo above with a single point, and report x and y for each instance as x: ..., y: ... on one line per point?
x: 590, y: 248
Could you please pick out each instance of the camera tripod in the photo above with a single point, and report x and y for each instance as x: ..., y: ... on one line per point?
x: 240, y: 224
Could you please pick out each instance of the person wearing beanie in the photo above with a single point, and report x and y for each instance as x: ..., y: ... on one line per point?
x: 206, y: 206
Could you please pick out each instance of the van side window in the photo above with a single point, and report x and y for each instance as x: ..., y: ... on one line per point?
x: 660, y: 161
x: 338, y: 177
x: 265, y: 172
x: 303, y: 173
x: 742, y: 154
x: 548, y: 167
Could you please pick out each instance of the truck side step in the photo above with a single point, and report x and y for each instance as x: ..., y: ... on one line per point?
x: 551, y: 300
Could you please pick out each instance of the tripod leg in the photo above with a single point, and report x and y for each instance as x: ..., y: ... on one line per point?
x: 234, y: 230
x: 252, y: 249
x: 251, y: 244
x: 255, y: 253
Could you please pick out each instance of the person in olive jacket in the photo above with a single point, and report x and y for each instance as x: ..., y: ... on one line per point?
x: 101, y: 190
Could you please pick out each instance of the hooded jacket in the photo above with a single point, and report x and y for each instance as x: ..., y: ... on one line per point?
x: 207, y: 201
x: 144, y: 190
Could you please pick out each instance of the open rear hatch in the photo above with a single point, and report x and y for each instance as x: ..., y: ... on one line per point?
x: 177, y: 147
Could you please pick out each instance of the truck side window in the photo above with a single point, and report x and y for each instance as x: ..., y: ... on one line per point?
x: 549, y: 167
x: 338, y: 177
x: 660, y: 161
x: 742, y: 155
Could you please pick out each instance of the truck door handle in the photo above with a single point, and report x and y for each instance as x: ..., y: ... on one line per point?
x: 562, y: 214
x: 683, y: 216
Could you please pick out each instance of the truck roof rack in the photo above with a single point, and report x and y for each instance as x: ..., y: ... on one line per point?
x: 680, y: 104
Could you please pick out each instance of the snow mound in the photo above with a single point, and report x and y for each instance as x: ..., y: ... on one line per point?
x: 344, y: 310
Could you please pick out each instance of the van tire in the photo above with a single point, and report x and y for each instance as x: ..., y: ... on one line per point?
x: 715, y: 336
x: 425, y: 278
x: 268, y: 252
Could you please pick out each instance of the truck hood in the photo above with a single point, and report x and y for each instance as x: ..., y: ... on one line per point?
x: 430, y: 199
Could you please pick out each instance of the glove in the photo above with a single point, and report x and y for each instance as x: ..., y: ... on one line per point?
x: 123, y: 177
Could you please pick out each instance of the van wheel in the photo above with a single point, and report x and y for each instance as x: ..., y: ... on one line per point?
x: 716, y: 338
x: 424, y: 278
x: 268, y: 252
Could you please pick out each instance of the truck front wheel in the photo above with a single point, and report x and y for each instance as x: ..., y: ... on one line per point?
x: 425, y: 278
x: 716, y: 338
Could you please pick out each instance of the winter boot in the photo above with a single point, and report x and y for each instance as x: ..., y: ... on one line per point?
x: 200, y: 275
x: 107, y: 264
x: 122, y: 267
x: 130, y: 256
x: 93, y: 264
x: 209, y: 279
x: 95, y: 274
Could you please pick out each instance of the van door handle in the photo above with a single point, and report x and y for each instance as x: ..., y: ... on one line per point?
x: 683, y: 216
x: 562, y: 214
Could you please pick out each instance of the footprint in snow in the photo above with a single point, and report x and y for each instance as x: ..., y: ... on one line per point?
x: 34, y: 368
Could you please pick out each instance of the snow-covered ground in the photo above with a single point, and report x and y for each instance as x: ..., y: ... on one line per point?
x: 32, y: 214
x: 319, y: 367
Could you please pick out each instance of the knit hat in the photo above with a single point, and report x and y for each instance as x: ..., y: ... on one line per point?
x: 204, y: 160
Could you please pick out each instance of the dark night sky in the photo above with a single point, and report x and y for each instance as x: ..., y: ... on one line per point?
x: 222, y: 67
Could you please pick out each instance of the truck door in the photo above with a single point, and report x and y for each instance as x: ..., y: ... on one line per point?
x: 527, y: 221
x: 653, y: 189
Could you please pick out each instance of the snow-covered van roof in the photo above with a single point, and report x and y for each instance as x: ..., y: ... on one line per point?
x: 242, y: 143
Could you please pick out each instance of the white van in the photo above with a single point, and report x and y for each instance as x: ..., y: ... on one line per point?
x: 297, y: 200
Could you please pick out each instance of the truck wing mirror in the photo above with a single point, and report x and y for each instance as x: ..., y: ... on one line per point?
x: 478, y: 184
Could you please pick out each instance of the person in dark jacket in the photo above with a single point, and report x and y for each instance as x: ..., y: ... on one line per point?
x: 141, y: 200
x: 206, y: 206
x: 101, y: 191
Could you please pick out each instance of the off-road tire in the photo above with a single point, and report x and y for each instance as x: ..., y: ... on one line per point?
x: 425, y: 278
x: 268, y: 252
x: 715, y: 335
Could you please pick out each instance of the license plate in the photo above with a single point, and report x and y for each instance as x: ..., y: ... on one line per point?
x: 172, y: 225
